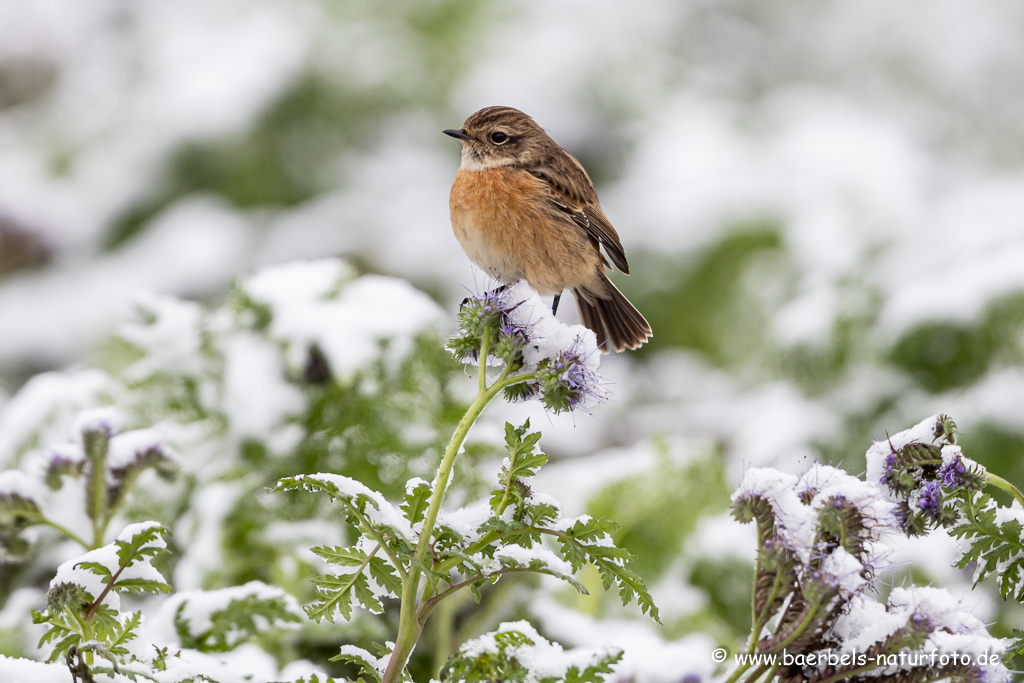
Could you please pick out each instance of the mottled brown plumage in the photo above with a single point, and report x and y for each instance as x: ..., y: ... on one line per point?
x: 523, y: 207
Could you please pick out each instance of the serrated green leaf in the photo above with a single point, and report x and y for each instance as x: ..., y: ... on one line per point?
x: 241, y: 620
x: 124, y: 634
x: 417, y: 500
x: 141, y: 586
x: 539, y: 566
x: 522, y: 462
x: 1016, y: 648
x: 385, y: 576
x: 343, y: 557
x: 336, y: 592
x: 138, y: 546
x: 591, y: 529
x: 585, y: 541
x: 98, y: 569
x: 996, y: 549
x: 366, y: 597
x: 508, y: 655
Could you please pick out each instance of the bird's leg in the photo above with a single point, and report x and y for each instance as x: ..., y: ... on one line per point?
x: 554, y: 304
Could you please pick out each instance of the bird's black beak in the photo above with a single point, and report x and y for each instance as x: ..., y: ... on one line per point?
x: 458, y: 133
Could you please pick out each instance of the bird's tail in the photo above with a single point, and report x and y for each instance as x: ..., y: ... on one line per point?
x: 612, y: 317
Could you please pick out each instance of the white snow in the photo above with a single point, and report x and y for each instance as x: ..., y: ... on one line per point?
x: 647, y: 656
x: 108, y: 420
x: 17, y: 483
x: 348, y: 321
x: 380, y: 510
x: 541, y: 659
x: 466, y: 520
x: 71, y: 572
x: 518, y: 555
x: 126, y: 447
x: 18, y: 670
x: 200, y: 533
x: 845, y: 568
x: 1012, y: 513
x: 170, y: 334
x: 798, y: 520
x: 922, y: 432
x: 257, y: 396
x: 198, y: 607
x: 45, y: 408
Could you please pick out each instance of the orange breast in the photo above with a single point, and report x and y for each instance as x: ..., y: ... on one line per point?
x: 508, y: 227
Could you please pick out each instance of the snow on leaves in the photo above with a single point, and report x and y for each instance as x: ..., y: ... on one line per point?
x: 468, y: 550
x: 516, y: 652
x: 83, y: 603
x: 220, y: 620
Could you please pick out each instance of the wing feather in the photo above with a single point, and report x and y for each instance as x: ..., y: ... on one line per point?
x: 573, y: 193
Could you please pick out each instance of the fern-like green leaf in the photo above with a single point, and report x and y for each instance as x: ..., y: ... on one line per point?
x: 995, y: 544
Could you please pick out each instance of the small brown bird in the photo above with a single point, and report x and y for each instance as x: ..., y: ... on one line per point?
x: 523, y: 207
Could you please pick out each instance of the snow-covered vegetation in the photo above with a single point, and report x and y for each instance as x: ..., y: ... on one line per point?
x: 226, y: 269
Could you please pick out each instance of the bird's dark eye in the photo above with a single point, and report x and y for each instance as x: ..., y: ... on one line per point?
x: 498, y: 137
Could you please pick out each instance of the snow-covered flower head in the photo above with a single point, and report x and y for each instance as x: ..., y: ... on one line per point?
x: 921, y: 468
x: 817, y: 513
x: 818, y: 552
x: 521, y: 333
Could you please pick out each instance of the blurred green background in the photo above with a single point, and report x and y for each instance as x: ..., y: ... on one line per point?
x: 823, y: 208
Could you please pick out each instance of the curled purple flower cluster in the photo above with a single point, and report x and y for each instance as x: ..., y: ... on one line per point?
x: 818, y: 554
x: 120, y: 455
x: 922, y: 468
x: 558, y: 363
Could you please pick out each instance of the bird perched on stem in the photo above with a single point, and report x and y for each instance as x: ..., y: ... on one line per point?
x: 523, y: 207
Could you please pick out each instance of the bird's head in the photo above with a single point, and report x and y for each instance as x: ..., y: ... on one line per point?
x: 500, y: 136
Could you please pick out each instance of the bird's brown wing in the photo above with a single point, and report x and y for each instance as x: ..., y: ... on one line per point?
x: 573, y: 192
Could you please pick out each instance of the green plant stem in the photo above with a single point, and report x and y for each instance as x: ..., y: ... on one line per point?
x: 444, y: 630
x: 98, y: 486
x: 1001, y: 483
x: 758, y: 621
x: 428, y: 605
x: 759, y: 618
x: 757, y: 673
x: 409, y: 624
x: 62, y: 529
x: 849, y: 673
x: 106, y: 589
x: 800, y: 629
x: 735, y: 675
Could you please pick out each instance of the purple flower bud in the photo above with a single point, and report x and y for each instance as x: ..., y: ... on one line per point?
x: 888, y: 464
x: 931, y: 498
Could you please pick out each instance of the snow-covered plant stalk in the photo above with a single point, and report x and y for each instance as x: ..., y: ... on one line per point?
x: 482, y: 323
x: 421, y: 555
x: 814, y: 618
x: 107, y: 460
x: 82, y: 606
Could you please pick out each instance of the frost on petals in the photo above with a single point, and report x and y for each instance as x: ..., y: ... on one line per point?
x: 521, y: 333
